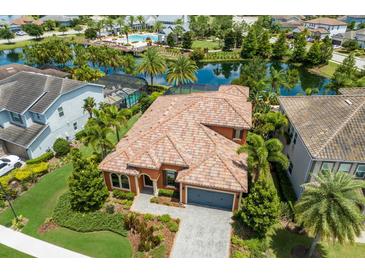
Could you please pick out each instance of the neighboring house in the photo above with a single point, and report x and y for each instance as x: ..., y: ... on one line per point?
x: 17, y: 24
x: 290, y: 25
x: 333, y: 26
x: 340, y: 38
x: 187, y: 143
x: 36, y: 109
x: 286, y: 18
x: 324, y: 133
x: 318, y: 33
x: 360, y: 38
x: 62, y: 20
x: 123, y: 90
x: 11, y: 69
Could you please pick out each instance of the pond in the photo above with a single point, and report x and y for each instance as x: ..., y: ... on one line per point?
x: 214, y: 74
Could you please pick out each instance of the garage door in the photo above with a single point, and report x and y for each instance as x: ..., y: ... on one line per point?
x: 210, y: 198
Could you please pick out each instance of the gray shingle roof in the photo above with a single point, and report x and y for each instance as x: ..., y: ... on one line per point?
x: 33, y: 91
x: 21, y: 136
x: 11, y: 69
x: 352, y: 91
x: 331, y: 127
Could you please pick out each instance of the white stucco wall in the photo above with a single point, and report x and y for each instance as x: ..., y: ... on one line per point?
x: 63, y: 126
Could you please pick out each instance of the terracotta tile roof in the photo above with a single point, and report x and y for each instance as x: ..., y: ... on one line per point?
x: 331, y: 127
x: 25, y: 20
x: 326, y: 21
x: 174, y: 131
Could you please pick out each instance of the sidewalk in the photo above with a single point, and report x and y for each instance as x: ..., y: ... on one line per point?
x: 338, y: 58
x: 33, y: 246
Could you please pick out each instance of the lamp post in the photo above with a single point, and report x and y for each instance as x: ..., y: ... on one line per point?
x: 8, y: 199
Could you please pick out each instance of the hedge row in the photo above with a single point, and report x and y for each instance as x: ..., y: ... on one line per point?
x: 168, y: 193
x: 123, y: 195
x: 285, y: 186
x: 64, y: 216
x: 43, y: 158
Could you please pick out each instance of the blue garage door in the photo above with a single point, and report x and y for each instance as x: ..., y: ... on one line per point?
x: 210, y: 198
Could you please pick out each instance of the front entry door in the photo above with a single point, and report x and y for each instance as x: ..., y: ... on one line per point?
x: 147, y: 181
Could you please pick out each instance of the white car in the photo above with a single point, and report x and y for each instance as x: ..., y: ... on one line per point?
x: 21, y: 33
x: 8, y: 163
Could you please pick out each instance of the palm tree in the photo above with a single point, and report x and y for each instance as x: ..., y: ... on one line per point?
x: 131, y: 21
x: 120, y: 22
x: 110, y: 23
x: 126, y: 31
x: 152, y: 63
x: 277, y: 78
x: 261, y: 153
x: 116, y: 118
x: 158, y: 26
x: 89, y: 105
x: 329, y: 208
x: 99, y: 26
x: 181, y: 72
x: 141, y: 20
x: 310, y: 91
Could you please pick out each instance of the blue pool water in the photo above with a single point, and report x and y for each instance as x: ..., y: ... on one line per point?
x: 213, y: 74
x: 142, y: 37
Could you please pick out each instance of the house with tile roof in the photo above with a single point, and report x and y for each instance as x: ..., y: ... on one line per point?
x: 333, y: 26
x: 36, y: 109
x: 187, y: 143
x: 17, y: 23
x: 324, y: 133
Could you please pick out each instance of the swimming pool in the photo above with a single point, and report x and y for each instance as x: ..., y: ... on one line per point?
x: 142, y: 37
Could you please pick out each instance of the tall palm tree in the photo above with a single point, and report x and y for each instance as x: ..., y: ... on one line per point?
x: 126, y: 31
x: 158, y: 26
x: 131, y: 20
x: 141, y: 21
x: 277, y: 79
x: 120, y: 22
x: 99, y: 26
x: 116, y: 118
x: 181, y: 72
x: 329, y: 208
x: 110, y: 23
x: 89, y: 105
x: 261, y: 153
x: 152, y: 63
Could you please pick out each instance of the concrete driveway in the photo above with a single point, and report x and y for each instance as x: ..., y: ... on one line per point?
x: 203, y: 233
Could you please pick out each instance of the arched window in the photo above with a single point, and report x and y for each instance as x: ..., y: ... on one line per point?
x: 124, y: 182
x: 115, y: 180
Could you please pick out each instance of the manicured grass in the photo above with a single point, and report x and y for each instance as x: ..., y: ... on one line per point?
x: 326, y: 70
x: 7, y: 252
x: 38, y: 203
x: 101, y: 244
x: 88, y: 150
x: 284, y: 241
x: 21, y: 44
x: 205, y: 44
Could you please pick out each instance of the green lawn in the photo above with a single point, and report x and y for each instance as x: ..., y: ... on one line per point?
x: 283, y: 242
x: 38, y: 203
x: 21, y: 44
x: 205, y: 44
x: 7, y: 252
x: 327, y: 70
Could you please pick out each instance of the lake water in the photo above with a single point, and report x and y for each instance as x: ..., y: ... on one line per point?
x: 214, y: 74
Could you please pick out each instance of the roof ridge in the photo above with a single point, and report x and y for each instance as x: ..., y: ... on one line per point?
x: 229, y: 169
x: 173, y: 144
x: 341, y: 127
x: 234, y: 108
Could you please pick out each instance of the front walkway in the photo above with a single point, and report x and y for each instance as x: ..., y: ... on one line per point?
x: 203, y: 233
x: 33, y: 246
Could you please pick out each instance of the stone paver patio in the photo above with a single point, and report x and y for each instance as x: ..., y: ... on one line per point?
x: 203, y: 233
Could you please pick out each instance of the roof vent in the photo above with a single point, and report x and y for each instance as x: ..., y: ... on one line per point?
x: 348, y: 102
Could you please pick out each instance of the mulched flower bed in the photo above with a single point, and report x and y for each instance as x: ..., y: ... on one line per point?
x: 47, y: 226
x: 168, y: 201
x: 160, y: 228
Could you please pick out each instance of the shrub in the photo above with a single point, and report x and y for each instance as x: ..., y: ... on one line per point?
x: 122, y: 195
x: 23, y: 174
x: 61, y: 147
x: 87, y: 188
x: 65, y: 216
x: 2, y: 203
x: 261, y: 208
x: 131, y: 222
x: 285, y: 186
x: 172, y: 226
x: 79, y: 135
x: 197, y: 55
x: 164, y: 218
x: 168, y: 193
x: 40, y: 168
x: 154, y: 200
x: 43, y: 158
x: 148, y: 217
x: 109, y: 209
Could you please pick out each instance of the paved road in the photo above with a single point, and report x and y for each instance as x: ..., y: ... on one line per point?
x: 203, y: 233
x: 46, y: 34
x: 338, y: 58
x: 33, y: 246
